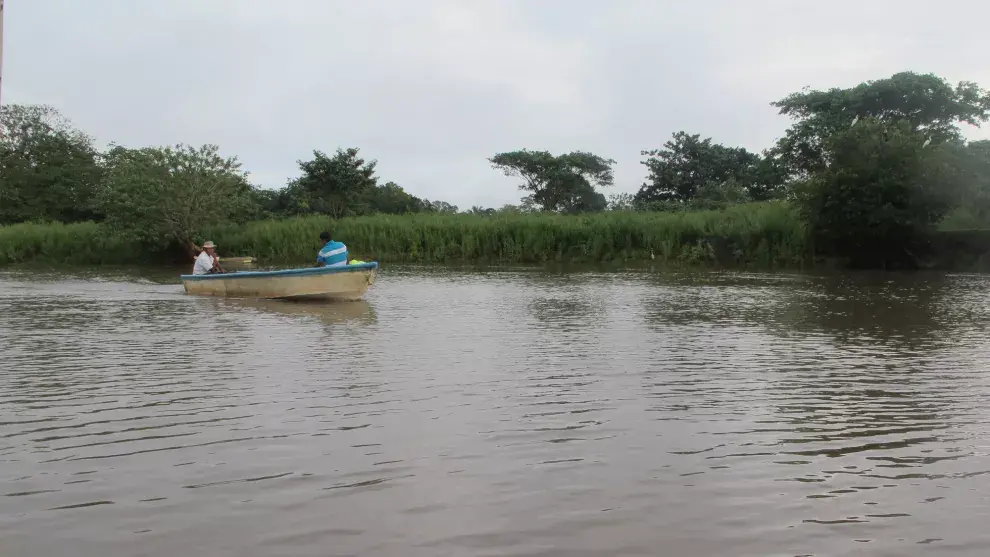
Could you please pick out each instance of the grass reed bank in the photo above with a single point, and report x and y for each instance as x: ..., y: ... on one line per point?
x: 767, y: 235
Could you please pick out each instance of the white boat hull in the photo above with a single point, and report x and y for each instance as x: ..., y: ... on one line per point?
x: 343, y: 283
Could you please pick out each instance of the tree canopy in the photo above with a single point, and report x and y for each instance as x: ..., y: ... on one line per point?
x: 48, y: 168
x: 165, y: 196
x: 338, y: 186
x: 564, y: 183
x: 168, y: 195
x: 688, y: 165
x: 926, y: 103
x: 881, y: 195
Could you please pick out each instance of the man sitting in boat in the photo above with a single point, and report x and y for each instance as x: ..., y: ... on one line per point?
x: 207, y: 261
x: 332, y: 254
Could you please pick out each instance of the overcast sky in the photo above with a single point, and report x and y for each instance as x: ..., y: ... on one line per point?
x: 432, y: 88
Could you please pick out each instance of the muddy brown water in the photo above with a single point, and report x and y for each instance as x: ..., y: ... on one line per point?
x: 518, y: 412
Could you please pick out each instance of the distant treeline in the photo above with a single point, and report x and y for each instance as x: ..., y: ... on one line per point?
x: 865, y: 176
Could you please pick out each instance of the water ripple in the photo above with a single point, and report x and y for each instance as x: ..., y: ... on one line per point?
x: 516, y: 412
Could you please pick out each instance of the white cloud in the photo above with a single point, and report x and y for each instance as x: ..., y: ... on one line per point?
x: 432, y: 88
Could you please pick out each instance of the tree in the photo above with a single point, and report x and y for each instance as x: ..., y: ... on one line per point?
x: 440, y: 207
x: 271, y: 203
x: 971, y: 198
x: 877, y: 201
x: 510, y: 209
x: 621, y: 202
x: 48, y: 168
x: 977, y: 178
x: 481, y: 211
x: 584, y: 200
x: 168, y: 195
x: 719, y: 195
x: 527, y: 205
x: 342, y: 185
x: 687, y: 164
x: 288, y: 201
x: 564, y: 183
x: 391, y: 199
x: 927, y: 104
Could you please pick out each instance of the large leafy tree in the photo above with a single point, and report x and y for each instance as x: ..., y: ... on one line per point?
x: 341, y: 185
x: 880, y: 195
x: 971, y: 197
x: 480, y: 211
x: 168, y: 195
x: 878, y: 165
x: 925, y: 103
x: 688, y: 165
x: 563, y: 183
x: 622, y: 202
x: 976, y: 187
x: 48, y: 168
x: 390, y: 198
x: 288, y: 201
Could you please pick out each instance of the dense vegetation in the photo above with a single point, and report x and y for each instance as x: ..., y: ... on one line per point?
x: 762, y: 235
x: 863, y: 175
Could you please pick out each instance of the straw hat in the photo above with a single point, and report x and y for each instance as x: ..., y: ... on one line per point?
x: 208, y: 244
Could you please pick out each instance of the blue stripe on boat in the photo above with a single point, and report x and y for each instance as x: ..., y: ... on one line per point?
x: 287, y: 272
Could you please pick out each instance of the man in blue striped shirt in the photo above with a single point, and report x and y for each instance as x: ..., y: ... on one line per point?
x: 332, y: 254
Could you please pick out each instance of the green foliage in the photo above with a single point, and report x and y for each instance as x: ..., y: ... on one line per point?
x: 718, y: 195
x: 927, y: 103
x: 761, y: 235
x: 510, y: 209
x: 564, y: 183
x: 391, y: 199
x: 83, y: 243
x: 167, y: 195
x: 879, y: 165
x: 688, y: 166
x: 481, y: 211
x: 285, y: 202
x: 48, y: 169
x: 621, y: 202
x: 338, y: 186
x: 972, y: 198
x: 880, y: 197
x: 439, y: 207
x: 710, y: 196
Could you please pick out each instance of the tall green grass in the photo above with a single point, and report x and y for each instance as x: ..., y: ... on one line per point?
x: 83, y: 243
x: 762, y: 235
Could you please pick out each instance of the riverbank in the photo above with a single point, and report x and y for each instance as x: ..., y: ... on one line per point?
x: 83, y: 243
x: 755, y: 236
x: 767, y: 235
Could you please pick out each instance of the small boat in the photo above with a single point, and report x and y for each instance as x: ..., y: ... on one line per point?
x: 340, y: 283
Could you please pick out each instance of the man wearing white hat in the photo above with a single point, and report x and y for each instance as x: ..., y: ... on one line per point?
x: 207, y: 262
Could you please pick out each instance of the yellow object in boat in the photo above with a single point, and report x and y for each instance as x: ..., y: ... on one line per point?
x: 357, y: 262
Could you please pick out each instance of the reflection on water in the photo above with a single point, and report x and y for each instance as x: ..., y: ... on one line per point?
x: 497, y: 413
x: 329, y: 313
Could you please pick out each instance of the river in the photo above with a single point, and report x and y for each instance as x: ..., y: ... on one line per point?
x: 509, y: 413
